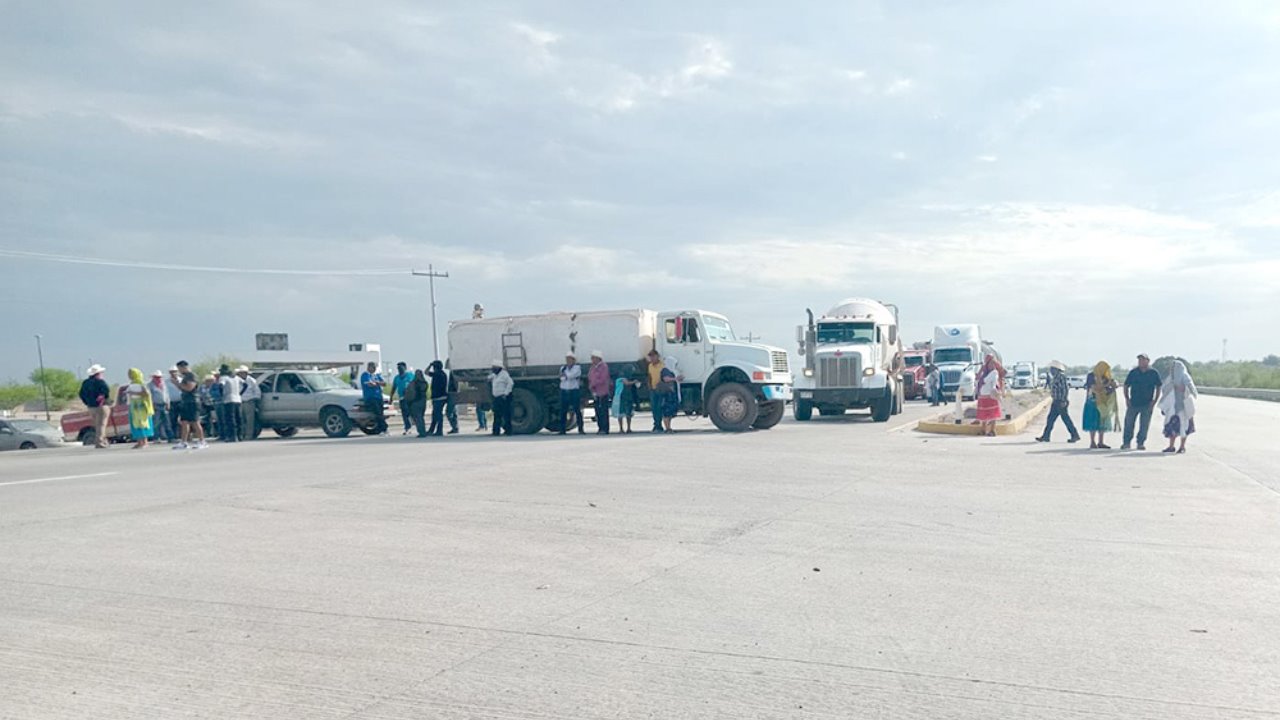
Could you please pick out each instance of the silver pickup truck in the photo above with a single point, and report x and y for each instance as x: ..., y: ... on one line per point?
x: 293, y: 399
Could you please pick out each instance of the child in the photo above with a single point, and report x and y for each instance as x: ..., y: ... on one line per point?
x: 624, y: 402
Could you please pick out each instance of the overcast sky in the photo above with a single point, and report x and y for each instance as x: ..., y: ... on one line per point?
x: 1086, y: 180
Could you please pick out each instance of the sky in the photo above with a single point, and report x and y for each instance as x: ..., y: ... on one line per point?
x: 1085, y: 180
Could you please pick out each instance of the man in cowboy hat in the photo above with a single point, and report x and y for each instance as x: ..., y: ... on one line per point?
x: 250, y: 394
x: 96, y: 395
x: 1059, y: 389
x: 501, y: 385
x: 570, y: 392
x: 601, y: 387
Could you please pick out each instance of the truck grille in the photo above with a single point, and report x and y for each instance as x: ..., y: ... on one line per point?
x: 780, y: 363
x: 838, y: 372
x: 951, y: 377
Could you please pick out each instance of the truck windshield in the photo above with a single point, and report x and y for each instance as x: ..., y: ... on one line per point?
x: 718, y: 329
x: 1023, y: 373
x: 953, y: 355
x: 325, y: 381
x: 915, y: 360
x: 846, y: 332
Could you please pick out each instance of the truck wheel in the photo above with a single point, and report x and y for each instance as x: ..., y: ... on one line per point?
x: 803, y: 410
x: 88, y: 436
x: 285, y: 432
x: 528, y: 412
x: 335, y: 422
x: 898, y: 400
x: 733, y: 407
x: 882, y: 409
x: 770, y: 415
x: 369, y: 429
x: 28, y: 445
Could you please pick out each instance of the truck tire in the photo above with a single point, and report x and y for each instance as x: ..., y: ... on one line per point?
x: 770, y: 414
x: 803, y: 411
x: 899, y: 399
x: 335, y: 422
x: 882, y: 409
x: 528, y: 413
x: 285, y: 432
x: 733, y: 407
x: 88, y: 436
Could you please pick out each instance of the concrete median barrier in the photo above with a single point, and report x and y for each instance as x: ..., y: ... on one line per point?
x: 946, y: 425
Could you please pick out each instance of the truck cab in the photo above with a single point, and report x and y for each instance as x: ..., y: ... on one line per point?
x: 737, y: 384
x: 853, y: 359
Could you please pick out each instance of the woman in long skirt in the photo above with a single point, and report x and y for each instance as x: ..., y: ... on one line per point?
x: 988, y: 386
x: 1178, y: 403
x: 141, y: 411
x: 1101, y: 406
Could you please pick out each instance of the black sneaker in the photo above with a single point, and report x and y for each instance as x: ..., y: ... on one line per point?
x: 1075, y: 439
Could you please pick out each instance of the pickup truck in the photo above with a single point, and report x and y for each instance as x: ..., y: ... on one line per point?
x: 78, y: 426
x: 293, y: 399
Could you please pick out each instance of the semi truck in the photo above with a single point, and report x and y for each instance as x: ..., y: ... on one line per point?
x: 738, y: 385
x: 958, y: 350
x: 915, y: 372
x: 852, y: 360
x: 1026, y: 376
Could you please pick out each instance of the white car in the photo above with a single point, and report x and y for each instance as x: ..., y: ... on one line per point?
x: 17, y: 434
x: 1076, y: 382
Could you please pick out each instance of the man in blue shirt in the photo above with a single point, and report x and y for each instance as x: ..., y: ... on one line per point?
x: 1141, y: 393
x: 398, y: 384
x: 371, y: 385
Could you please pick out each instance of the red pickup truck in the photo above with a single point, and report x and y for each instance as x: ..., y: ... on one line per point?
x: 914, y: 373
x: 78, y: 426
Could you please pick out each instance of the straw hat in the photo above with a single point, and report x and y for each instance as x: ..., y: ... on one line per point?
x: 157, y: 374
x: 94, y: 370
x: 597, y: 354
x: 1058, y: 366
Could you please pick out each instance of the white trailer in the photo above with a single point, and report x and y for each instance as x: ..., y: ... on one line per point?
x: 958, y: 350
x: 738, y: 385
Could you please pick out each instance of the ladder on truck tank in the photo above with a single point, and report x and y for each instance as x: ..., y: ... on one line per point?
x: 513, y: 354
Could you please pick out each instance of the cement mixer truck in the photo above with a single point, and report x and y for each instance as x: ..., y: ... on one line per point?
x: 852, y: 360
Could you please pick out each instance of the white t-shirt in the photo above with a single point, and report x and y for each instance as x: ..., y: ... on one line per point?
x: 251, y: 389
x: 230, y: 388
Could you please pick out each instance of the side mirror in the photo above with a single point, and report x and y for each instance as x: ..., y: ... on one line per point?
x: 6, y: 430
x: 893, y: 334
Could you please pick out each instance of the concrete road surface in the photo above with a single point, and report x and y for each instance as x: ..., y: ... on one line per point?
x: 835, y: 569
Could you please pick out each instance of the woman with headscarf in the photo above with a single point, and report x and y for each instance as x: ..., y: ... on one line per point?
x: 987, y: 387
x: 1178, y: 403
x: 141, y: 409
x: 1101, y: 406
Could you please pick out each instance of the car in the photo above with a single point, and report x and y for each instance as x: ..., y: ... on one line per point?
x: 18, y: 434
x: 293, y: 399
x: 1076, y: 382
x: 77, y: 426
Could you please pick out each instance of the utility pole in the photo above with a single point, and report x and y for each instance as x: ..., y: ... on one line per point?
x: 44, y: 382
x: 1224, y: 350
x: 752, y: 338
x: 431, y: 276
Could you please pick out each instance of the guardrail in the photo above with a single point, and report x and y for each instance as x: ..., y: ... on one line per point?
x: 1245, y: 393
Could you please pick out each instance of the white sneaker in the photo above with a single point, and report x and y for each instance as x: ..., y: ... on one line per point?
x: 180, y: 446
x: 202, y: 445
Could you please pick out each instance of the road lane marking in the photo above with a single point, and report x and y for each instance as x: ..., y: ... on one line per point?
x: 55, y: 479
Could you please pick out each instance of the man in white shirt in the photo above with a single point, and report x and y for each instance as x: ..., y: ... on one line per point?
x: 230, y: 406
x: 570, y: 393
x: 502, y: 386
x: 250, y: 394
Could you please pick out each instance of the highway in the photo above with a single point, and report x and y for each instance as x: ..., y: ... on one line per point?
x: 834, y: 569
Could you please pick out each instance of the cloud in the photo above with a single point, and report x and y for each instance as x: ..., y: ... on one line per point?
x: 539, y: 43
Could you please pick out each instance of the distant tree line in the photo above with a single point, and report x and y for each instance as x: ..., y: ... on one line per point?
x: 1261, y: 374
x: 64, y: 385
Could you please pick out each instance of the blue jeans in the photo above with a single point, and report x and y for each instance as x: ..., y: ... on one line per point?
x: 570, y: 402
x: 164, y: 431
x: 1059, y: 411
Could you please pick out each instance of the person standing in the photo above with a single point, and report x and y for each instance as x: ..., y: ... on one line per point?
x: 439, y: 397
x: 655, y: 368
x: 250, y: 398
x: 1059, y: 390
x: 175, y: 398
x: 414, y: 400
x: 501, y: 385
x: 1101, y: 410
x: 1141, y: 393
x: 933, y: 385
x: 231, y: 402
x: 482, y: 412
x: 570, y: 393
x: 450, y: 405
x: 601, y: 387
x: 1178, y: 404
x: 371, y: 384
x: 159, y: 391
x: 141, y: 410
x: 988, y: 386
x: 398, y: 384
x: 624, y: 403
x: 210, y: 402
x: 96, y: 395
x: 189, y: 408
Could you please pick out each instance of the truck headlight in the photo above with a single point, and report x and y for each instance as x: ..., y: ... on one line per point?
x: 808, y: 372
x: 869, y: 371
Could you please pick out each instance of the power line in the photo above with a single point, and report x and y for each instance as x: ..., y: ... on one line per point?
x: 74, y: 260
